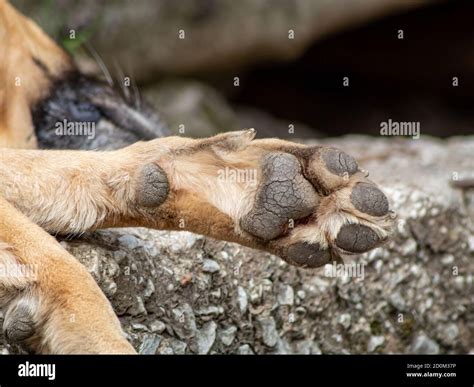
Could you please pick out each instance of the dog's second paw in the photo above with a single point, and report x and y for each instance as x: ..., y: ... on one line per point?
x: 19, y: 324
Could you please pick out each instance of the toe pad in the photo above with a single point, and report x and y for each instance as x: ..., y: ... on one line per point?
x: 357, y: 238
x: 369, y: 199
x: 339, y: 162
x: 308, y: 254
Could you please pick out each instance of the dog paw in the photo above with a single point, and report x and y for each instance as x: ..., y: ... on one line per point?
x: 19, y: 324
x: 313, y: 205
x: 308, y: 204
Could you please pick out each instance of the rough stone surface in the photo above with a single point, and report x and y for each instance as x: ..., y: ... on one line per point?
x: 412, y: 295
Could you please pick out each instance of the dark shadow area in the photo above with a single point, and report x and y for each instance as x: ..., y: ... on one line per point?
x: 409, y: 79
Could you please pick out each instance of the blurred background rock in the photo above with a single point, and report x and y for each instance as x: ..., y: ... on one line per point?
x: 283, y: 81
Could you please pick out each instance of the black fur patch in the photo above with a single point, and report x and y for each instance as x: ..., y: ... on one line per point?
x: 84, y: 113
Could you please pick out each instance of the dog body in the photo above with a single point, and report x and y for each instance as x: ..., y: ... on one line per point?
x: 309, y: 205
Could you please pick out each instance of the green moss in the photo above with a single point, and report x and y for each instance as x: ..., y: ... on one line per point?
x: 406, y: 327
x: 376, y: 328
x: 81, y: 37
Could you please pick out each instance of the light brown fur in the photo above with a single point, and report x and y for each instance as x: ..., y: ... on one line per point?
x: 31, y: 61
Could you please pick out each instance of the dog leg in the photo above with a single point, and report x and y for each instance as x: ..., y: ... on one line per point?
x: 52, y: 304
x: 307, y: 204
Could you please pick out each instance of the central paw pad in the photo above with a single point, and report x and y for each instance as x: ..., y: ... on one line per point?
x: 283, y: 194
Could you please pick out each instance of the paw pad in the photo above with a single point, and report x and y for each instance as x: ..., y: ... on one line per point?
x: 357, y: 238
x: 308, y: 254
x: 283, y: 194
x: 153, y: 186
x: 339, y: 162
x: 19, y: 324
x: 329, y: 169
x: 369, y: 199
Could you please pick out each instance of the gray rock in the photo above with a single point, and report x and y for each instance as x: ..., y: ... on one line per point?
x: 256, y: 294
x: 139, y: 327
x: 397, y: 301
x: 184, y: 321
x: 286, y: 295
x: 157, y: 326
x: 177, y: 243
x: 210, y: 266
x: 245, y: 350
x: 205, y: 337
x: 301, y: 294
x: 303, y: 347
x: 449, y: 334
x: 422, y: 344
x: 150, y: 289
x: 242, y: 300
x: 375, y: 342
x: 269, y: 332
x: 179, y: 347
x: 470, y: 243
x: 149, y: 344
x: 92, y: 263
x: 345, y: 320
x: 166, y: 350
x: 283, y: 347
x: 129, y: 241
x: 447, y: 260
x: 138, y: 308
x: 409, y: 247
x: 210, y: 310
x: 315, y: 350
x: 227, y: 335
